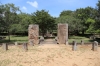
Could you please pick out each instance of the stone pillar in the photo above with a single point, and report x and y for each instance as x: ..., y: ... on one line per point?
x: 41, y: 39
x: 95, y: 46
x: 16, y: 43
x: 5, y: 46
x: 82, y: 42
x: 33, y: 34
x: 25, y: 46
x: 74, y: 46
x: 62, y: 35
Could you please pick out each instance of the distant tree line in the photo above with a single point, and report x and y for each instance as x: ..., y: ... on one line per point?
x: 80, y: 21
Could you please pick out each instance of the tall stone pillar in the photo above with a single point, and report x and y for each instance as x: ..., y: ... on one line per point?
x: 33, y: 34
x: 62, y: 35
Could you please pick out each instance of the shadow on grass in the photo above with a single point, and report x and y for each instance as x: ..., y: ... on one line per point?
x: 12, y: 41
x: 19, y: 36
x: 97, y: 39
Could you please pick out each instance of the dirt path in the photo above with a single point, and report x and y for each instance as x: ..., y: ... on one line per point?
x: 48, y: 41
x: 50, y: 55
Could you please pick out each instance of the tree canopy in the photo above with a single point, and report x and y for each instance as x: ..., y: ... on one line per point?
x: 44, y: 20
x: 82, y: 20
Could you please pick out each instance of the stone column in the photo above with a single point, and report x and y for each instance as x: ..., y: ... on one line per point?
x: 95, y: 46
x: 74, y: 46
x: 25, y: 46
x: 62, y: 35
x: 41, y: 39
x: 5, y: 46
x: 82, y: 42
x: 16, y: 43
x: 33, y: 34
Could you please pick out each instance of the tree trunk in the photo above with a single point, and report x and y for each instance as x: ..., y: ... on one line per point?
x: 83, y: 32
x: 77, y: 32
x: 8, y: 35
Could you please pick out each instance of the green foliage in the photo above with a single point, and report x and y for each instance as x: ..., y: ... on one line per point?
x: 74, y: 24
x: 79, y: 21
x: 66, y: 13
x: 1, y: 17
x: 44, y: 20
x: 9, y: 16
x: 87, y: 16
x: 89, y: 21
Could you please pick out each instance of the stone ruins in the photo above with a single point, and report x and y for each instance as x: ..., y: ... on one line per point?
x: 62, y: 37
x: 33, y: 34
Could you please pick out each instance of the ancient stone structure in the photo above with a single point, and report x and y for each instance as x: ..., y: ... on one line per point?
x: 82, y: 42
x: 16, y: 43
x: 41, y: 39
x: 33, y: 34
x: 5, y: 46
x: 62, y: 36
x: 74, y: 46
x: 95, y: 46
x: 25, y: 46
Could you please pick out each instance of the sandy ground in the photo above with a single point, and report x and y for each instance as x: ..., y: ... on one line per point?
x: 50, y: 55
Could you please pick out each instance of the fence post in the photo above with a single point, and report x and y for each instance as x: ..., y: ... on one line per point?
x: 5, y: 46
x: 25, y: 46
x: 95, y: 46
x: 74, y: 46
x: 16, y: 43
x: 82, y: 42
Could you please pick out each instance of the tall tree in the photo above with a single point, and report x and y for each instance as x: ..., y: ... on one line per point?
x: 97, y: 24
x: 66, y: 13
x: 44, y: 20
x: 74, y: 24
x: 10, y: 15
x: 87, y: 16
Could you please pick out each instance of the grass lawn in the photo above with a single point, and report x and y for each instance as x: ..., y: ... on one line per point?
x: 78, y: 39
x: 25, y: 39
x: 15, y: 39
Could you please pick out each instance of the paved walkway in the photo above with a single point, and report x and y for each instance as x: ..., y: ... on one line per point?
x: 48, y: 41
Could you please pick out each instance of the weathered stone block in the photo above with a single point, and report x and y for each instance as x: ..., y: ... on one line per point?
x: 82, y: 42
x: 5, y: 46
x: 74, y: 46
x: 16, y: 43
x: 62, y: 37
x: 33, y: 34
x: 95, y: 46
x: 25, y: 46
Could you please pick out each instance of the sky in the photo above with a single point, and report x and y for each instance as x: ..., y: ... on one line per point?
x: 55, y: 7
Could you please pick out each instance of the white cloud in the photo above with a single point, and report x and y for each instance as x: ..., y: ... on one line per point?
x: 24, y: 8
x: 34, y: 4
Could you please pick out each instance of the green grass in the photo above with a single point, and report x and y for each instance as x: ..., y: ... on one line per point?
x: 21, y: 39
x: 78, y: 39
x: 15, y: 39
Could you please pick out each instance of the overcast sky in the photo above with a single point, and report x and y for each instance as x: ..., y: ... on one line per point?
x: 53, y: 6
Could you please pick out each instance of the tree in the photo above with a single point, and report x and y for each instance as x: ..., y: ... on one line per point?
x: 66, y: 13
x: 97, y: 23
x: 87, y: 17
x: 1, y: 17
x: 44, y: 20
x: 68, y: 16
x: 10, y: 15
x: 74, y: 24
